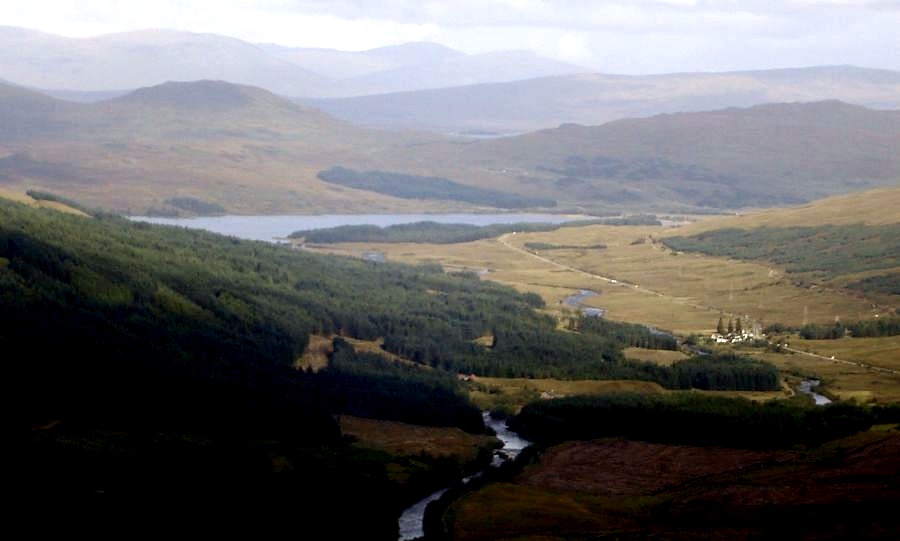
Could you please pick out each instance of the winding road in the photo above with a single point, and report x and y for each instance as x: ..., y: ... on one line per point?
x: 504, y: 241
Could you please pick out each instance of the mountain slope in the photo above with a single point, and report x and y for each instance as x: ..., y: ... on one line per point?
x: 849, y: 242
x: 240, y: 148
x: 767, y: 155
x: 596, y: 98
x: 231, y: 148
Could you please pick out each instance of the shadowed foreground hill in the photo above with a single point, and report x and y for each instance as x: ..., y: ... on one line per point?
x: 155, y: 368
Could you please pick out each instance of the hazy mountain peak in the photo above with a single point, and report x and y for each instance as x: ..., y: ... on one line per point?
x: 416, y: 50
x: 196, y: 94
x: 107, y: 63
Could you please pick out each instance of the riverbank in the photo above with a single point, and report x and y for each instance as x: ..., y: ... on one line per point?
x: 412, y: 520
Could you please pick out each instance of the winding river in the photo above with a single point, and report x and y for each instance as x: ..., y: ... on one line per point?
x: 412, y: 519
x: 806, y: 387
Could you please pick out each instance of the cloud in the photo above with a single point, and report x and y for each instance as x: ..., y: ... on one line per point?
x: 637, y: 36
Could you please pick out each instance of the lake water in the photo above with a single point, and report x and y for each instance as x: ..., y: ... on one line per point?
x: 271, y: 228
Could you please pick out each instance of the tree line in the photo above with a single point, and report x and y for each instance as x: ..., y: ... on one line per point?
x: 421, y: 187
x: 868, y: 328
x: 689, y: 418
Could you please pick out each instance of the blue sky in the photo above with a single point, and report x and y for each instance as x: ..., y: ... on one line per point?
x: 637, y: 36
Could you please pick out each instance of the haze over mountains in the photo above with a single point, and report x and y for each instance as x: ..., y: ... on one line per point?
x: 245, y: 150
x: 590, y: 99
x: 106, y: 63
x: 420, y: 86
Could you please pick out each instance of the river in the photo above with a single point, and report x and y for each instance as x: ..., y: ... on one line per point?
x: 411, y: 521
x: 272, y: 228
x: 806, y: 387
x: 577, y: 301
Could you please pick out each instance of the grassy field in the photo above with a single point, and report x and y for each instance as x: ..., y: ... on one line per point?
x: 662, y: 357
x: 510, y: 394
x: 882, y: 352
x: 315, y: 357
x: 682, y: 293
x: 840, y: 380
x: 873, y: 207
x: 639, y: 280
x: 19, y: 196
x: 718, y: 285
x: 406, y: 439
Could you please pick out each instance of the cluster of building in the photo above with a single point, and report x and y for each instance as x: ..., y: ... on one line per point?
x: 733, y: 337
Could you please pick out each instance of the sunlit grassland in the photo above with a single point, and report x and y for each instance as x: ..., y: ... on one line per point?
x: 510, y: 394
x: 20, y: 196
x: 883, y: 351
x: 552, y: 283
x: 684, y: 293
x: 725, y: 286
x: 872, y: 207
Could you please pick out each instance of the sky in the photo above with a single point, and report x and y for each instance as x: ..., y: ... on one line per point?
x: 630, y: 37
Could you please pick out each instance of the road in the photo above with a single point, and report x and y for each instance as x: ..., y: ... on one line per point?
x: 843, y: 361
x: 504, y: 241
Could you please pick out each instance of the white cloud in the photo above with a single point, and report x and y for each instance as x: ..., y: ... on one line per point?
x: 637, y: 36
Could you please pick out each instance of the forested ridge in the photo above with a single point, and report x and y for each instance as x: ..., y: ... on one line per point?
x: 419, y: 187
x: 439, y: 233
x: 164, y: 357
x: 887, y: 326
x: 199, y: 307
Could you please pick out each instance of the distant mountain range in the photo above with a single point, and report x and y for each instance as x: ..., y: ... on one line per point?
x: 91, y: 68
x: 240, y: 149
x: 591, y: 99
x: 415, y: 86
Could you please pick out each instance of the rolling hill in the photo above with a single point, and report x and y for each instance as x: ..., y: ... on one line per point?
x: 520, y: 106
x: 767, y: 155
x: 221, y: 147
x: 241, y: 148
x: 849, y: 242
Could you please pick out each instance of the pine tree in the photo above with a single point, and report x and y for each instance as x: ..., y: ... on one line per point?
x: 720, y: 328
x: 738, y: 328
x: 730, y: 326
